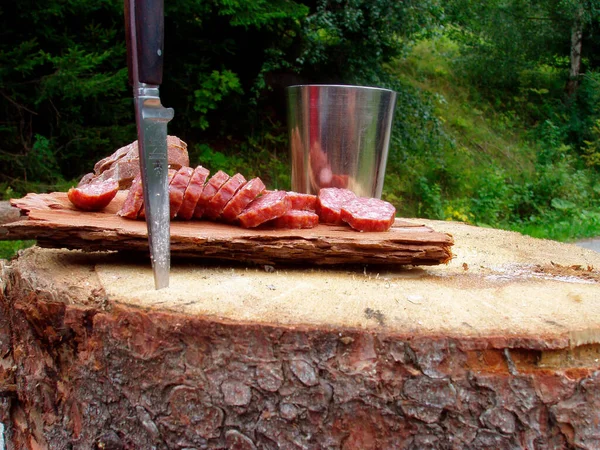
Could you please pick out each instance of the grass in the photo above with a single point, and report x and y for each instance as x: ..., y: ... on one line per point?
x: 486, y: 134
x: 489, y: 171
x: 582, y: 226
x: 8, y: 249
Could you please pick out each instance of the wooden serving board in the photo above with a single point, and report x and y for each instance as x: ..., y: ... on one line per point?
x: 55, y: 223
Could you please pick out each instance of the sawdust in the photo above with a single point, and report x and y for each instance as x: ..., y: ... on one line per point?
x: 583, y: 272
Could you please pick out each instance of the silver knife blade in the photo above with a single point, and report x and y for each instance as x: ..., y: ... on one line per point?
x: 152, y: 119
x: 144, y: 21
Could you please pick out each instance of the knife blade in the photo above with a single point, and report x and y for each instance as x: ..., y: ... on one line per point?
x: 144, y: 25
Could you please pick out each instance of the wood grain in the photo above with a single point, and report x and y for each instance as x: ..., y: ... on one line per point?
x: 496, y: 350
x: 55, y: 223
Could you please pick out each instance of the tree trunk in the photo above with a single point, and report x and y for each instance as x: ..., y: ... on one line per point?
x: 498, y: 349
x: 575, y: 56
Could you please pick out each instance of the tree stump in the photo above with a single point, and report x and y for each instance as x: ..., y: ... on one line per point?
x: 498, y: 349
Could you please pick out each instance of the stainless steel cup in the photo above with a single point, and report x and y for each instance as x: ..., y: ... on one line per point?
x: 339, y: 137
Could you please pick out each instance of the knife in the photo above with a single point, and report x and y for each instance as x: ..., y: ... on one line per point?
x: 144, y: 26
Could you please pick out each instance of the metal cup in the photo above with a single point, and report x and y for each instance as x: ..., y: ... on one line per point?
x: 339, y: 137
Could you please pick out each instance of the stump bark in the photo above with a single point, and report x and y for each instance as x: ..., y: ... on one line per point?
x: 498, y: 349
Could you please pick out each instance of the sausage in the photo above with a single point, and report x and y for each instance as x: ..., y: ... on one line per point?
x: 124, y: 164
x: 330, y: 201
x: 295, y: 218
x: 242, y: 198
x: 192, y: 193
x: 93, y: 197
x: 177, y: 188
x: 266, y: 207
x: 223, y: 196
x: 134, y: 200
x: 303, y: 202
x: 368, y: 214
x: 210, y: 189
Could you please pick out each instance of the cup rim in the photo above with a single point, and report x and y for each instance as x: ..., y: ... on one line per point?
x: 343, y: 86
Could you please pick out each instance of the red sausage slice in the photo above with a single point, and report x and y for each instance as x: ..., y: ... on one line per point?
x: 330, y: 204
x: 177, y: 189
x: 210, y: 189
x: 264, y: 208
x: 223, y: 196
x: 303, y: 202
x: 134, y: 200
x: 192, y: 193
x: 369, y: 214
x: 296, y: 219
x: 242, y: 198
x: 93, y: 197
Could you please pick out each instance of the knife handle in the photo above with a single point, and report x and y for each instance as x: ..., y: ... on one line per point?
x: 149, y: 34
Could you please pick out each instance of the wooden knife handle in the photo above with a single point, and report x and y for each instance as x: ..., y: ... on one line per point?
x: 149, y: 33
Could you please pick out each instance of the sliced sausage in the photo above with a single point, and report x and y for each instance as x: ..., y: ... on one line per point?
x: 369, y: 214
x: 264, y: 208
x: 192, y: 193
x: 295, y: 218
x: 93, y: 197
x: 177, y: 189
x: 303, y: 202
x: 242, y: 198
x: 329, y: 205
x: 210, y: 189
x: 134, y: 200
x: 223, y: 196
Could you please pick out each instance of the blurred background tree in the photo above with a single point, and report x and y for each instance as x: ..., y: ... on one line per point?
x: 497, y: 119
x: 65, y: 102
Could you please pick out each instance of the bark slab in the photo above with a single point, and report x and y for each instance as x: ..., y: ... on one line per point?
x: 55, y: 223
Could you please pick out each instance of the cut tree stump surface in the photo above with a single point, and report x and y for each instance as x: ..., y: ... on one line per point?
x: 500, y: 285
x: 499, y: 349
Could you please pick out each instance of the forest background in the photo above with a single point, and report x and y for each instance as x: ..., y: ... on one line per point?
x: 497, y: 122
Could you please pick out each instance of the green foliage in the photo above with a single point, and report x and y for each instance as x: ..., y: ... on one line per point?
x: 480, y: 164
x: 214, y: 88
x: 349, y: 41
x: 591, y: 149
x: 518, y: 54
x: 258, y: 157
x: 62, y: 82
x: 9, y: 249
x: 489, y: 205
x: 260, y: 13
x: 484, y: 132
x: 430, y: 194
x: 500, y: 39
